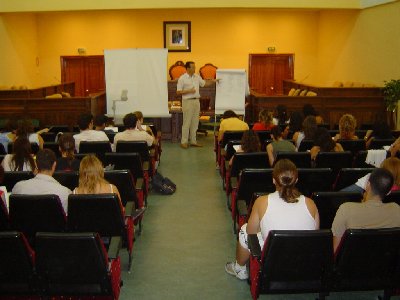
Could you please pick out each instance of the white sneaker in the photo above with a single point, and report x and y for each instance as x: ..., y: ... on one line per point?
x: 235, y: 270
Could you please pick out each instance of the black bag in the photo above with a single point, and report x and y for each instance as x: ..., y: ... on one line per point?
x: 162, y: 185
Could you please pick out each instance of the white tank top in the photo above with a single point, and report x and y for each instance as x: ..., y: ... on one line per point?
x: 281, y: 215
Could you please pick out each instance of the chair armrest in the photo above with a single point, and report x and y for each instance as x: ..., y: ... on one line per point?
x: 129, y: 208
x: 115, y: 246
x: 254, y: 245
x: 139, y: 184
x: 234, y: 182
x: 145, y: 166
x: 152, y: 153
x: 242, y: 208
x: 138, y: 212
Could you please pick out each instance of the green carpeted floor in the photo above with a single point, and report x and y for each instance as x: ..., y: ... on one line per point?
x: 187, y: 237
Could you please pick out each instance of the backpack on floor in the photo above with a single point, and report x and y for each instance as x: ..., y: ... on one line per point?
x: 162, y: 185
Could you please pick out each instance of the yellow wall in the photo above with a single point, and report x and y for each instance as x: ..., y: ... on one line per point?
x: 362, y: 46
x: 329, y: 46
x: 18, y: 50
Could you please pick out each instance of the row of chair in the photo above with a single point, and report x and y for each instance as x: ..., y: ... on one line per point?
x: 99, y: 213
x: 303, y: 262
x: 62, y: 266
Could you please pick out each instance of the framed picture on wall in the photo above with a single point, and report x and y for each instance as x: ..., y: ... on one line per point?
x: 177, y: 36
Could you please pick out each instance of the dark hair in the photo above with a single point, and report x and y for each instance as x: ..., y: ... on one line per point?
x: 276, y: 131
x: 130, y: 120
x: 308, y: 110
x: 381, y: 130
x: 45, y: 159
x: 324, y: 140
x: 84, y: 121
x: 188, y: 63
x: 22, y: 152
x: 381, y: 182
x: 250, y: 142
x: 281, y: 113
x: 285, y: 175
x: 138, y: 114
x: 100, y: 120
x: 309, y: 127
x: 229, y: 114
x: 66, y: 142
x: 25, y: 128
x: 296, y: 121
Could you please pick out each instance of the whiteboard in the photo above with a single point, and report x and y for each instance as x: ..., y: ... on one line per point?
x: 142, y: 73
x: 230, y: 90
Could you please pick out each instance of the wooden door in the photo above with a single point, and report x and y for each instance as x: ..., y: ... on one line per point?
x: 267, y: 72
x: 86, y: 71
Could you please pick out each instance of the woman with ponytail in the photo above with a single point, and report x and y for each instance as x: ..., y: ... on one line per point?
x: 67, y: 161
x: 285, y: 209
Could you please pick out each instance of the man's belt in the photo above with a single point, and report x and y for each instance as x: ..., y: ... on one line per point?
x: 191, y: 99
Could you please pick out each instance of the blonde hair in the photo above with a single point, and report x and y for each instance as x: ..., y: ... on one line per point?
x: 392, y: 164
x: 285, y: 174
x: 91, y: 175
x: 347, y: 126
x: 139, y: 115
x: 265, y: 117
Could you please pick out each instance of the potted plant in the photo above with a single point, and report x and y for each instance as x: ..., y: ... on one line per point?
x: 391, y: 93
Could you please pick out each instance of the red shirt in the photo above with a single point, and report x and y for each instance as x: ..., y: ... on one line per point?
x: 261, y: 126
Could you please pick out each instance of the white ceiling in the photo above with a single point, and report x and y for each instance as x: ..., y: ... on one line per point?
x: 63, y: 5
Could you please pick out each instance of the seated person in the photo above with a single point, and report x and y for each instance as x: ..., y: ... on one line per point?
x: 278, y: 144
x: 132, y: 133
x: 100, y: 123
x: 265, y: 121
x: 250, y: 142
x: 285, y: 209
x: 44, y: 183
x: 67, y: 161
x: 309, y: 127
x: 391, y: 164
x: 371, y: 212
x: 347, y: 128
x: 380, y: 130
x: 24, y: 127
x: 22, y: 158
x: 91, y: 179
x: 323, y: 142
x: 309, y: 110
x: 280, y: 115
x: 295, y: 124
x: 85, y: 123
x: 230, y: 122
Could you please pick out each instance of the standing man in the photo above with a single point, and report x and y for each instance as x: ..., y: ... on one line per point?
x: 189, y: 87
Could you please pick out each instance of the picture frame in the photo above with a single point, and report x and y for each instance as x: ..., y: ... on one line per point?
x: 177, y: 36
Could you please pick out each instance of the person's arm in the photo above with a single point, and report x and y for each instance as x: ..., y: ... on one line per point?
x: 312, y: 208
x: 295, y: 137
x: 395, y: 147
x: 210, y: 82
x: 270, y: 152
x: 41, y: 142
x: 253, y: 224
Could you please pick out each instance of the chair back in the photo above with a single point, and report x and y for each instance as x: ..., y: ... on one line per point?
x: 134, y: 147
x: 305, y: 145
x: 368, y: 259
x: 254, y: 160
x: 252, y: 181
x: 328, y: 203
x: 48, y: 136
x: 34, y: 213
x: 334, y: 160
x: 354, y: 146
x: 123, y: 161
x: 53, y: 146
x: 67, y: 178
x: 313, y: 180
x: 123, y: 180
x: 230, y: 136
x: 379, y: 143
x: 300, y: 159
x: 12, y: 177
x: 349, y: 176
x: 98, y: 147
x: 394, y: 196
x: 72, y: 264
x: 306, y: 270
x: 95, y: 213
x: 16, y: 265
x: 177, y: 70
x: 208, y: 71
x: 265, y: 138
